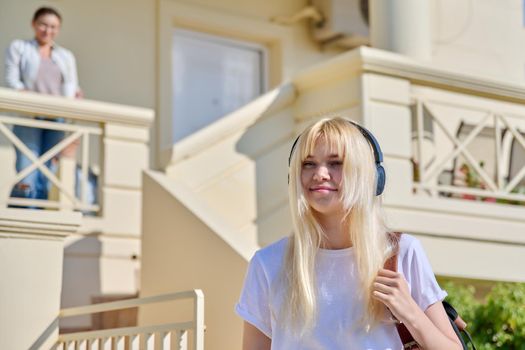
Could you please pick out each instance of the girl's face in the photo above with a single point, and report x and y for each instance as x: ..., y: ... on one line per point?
x: 321, y: 175
x: 46, y: 28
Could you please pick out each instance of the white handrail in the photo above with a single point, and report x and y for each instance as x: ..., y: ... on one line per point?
x: 166, y: 336
x: 76, y: 109
x: 128, y: 303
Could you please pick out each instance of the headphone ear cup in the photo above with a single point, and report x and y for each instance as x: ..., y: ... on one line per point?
x: 381, y: 179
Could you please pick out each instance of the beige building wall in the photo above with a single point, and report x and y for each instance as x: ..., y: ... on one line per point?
x: 187, y: 249
x: 481, y: 37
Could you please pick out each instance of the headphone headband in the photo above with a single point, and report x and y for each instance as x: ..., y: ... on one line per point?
x: 378, y: 155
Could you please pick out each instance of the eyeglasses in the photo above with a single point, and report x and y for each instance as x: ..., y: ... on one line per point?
x: 44, y: 26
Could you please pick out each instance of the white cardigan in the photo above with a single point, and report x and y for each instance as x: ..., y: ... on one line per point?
x: 22, y: 61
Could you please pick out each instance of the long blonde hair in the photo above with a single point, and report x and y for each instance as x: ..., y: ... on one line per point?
x: 363, y: 213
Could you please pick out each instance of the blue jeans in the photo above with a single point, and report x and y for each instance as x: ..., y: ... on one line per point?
x: 35, y: 185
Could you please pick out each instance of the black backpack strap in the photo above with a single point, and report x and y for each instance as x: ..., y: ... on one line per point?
x: 459, y: 325
x: 469, y: 337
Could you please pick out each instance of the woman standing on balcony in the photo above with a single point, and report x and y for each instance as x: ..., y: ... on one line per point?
x: 40, y: 65
x: 325, y: 287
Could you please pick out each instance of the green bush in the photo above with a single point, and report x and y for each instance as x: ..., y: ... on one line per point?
x: 498, y: 321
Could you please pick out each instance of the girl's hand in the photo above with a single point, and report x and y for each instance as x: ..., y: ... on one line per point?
x: 391, y: 289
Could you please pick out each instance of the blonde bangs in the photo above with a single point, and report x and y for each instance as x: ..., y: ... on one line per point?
x: 327, y: 131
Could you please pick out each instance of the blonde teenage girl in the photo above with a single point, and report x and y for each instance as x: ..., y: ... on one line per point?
x: 325, y: 287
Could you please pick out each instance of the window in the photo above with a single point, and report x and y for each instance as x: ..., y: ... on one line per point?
x: 212, y: 76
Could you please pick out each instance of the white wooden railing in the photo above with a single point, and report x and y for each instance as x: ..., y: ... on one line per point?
x: 169, y: 336
x: 108, y: 136
x: 468, y: 151
x: 78, y: 135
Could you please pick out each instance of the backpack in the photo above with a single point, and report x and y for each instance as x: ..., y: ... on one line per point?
x: 458, y: 325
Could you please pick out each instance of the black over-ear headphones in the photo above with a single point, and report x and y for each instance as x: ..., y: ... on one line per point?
x: 378, y: 156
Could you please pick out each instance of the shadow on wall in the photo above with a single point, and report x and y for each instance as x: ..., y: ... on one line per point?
x: 46, y: 336
x: 80, y: 279
x: 267, y: 144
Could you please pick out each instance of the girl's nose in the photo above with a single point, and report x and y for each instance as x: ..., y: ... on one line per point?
x: 321, y: 173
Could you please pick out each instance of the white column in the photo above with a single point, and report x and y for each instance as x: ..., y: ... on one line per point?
x: 401, y: 26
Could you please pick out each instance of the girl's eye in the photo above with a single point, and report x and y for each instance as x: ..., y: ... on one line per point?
x: 308, y: 164
x: 336, y: 163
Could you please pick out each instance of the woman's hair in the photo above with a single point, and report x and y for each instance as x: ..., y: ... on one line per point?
x: 363, y: 219
x: 42, y: 11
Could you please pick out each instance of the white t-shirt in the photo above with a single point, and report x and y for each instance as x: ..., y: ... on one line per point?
x: 339, y: 306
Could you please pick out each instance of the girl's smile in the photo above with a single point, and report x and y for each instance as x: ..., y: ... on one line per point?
x: 323, y: 189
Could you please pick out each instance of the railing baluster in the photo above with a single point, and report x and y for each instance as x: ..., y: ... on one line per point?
x: 164, y: 341
x: 85, y: 160
x: 520, y: 139
x: 104, y: 343
x: 198, y: 311
x: 66, y: 174
x: 420, y: 130
x: 132, y: 342
x: 117, y: 343
x: 498, y: 142
x: 182, y: 339
x: 84, y: 344
x: 146, y: 341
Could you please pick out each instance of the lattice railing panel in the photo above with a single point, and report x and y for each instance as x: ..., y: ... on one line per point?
x: 76, y: 144
x: 468, y: 152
